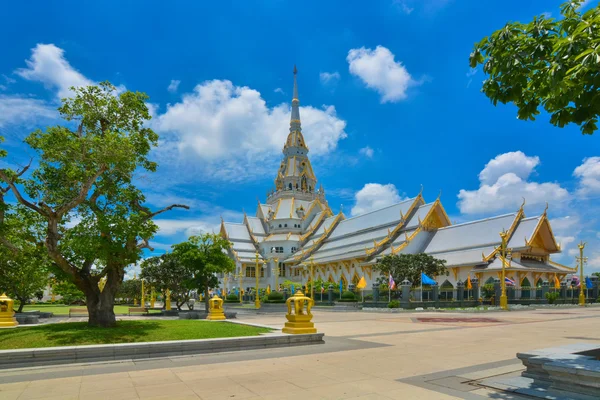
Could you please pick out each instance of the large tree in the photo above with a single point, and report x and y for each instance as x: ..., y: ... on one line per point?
x: 549, y: 63
x: 83, y: 189
x: 410, y: 266
x: 168, y: 272
x: 205, y: 256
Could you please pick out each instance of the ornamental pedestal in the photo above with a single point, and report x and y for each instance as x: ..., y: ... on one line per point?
x: 299, y: 322
x: 7, y: 314
x: 215, y: 309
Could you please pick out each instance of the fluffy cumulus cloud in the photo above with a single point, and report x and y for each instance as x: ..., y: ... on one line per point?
x: 233, y: 131
x: 588, y: 174
x: 16, y: 110
x: 49, y: 66
x: 380, y: 71
x: 328, y: 78
x: 173, y: 86
x: 505, y: 181
x: 367, y: 152
x: 374, y: 196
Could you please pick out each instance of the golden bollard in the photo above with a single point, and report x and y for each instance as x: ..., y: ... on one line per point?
x: 299, y: 322
x: 215, y: 309
x: 7, y: 313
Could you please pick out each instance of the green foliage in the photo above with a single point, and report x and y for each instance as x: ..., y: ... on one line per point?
x: 232, y: 297
x: 348, y: 296
x: 552, y: 297
x: 82, y: 189
x: 204, y: 256
x: 394, y: 304
x: 69, y: 292
x: 552, y: 63
x: 130, y: 290
x: 410, y: 266
x: 488, y: 291
x: 169, y: 272
x: 275, y: 296
x: 287, y: 284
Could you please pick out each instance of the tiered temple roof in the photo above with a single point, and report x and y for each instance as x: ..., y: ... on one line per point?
x: 298, y: 226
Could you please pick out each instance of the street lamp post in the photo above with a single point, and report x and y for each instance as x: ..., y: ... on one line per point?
x: 503, y: 298
x: 256, y: 296
x: 581, y: 259
x: 225, y: 279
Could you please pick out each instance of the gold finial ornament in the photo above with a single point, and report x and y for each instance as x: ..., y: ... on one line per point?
x: 7, y: 313
x: 523, y: 204
x: 295, y: 69
x: 299, y: 321
x: 546, y: 209
x: 215, y: 309
x: 421, y: 191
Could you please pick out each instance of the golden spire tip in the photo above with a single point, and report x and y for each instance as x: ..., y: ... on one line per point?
x: 295, y: 69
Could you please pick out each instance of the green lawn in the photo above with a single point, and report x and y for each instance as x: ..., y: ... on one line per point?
x: 78, y: 333
x: 61, y: 309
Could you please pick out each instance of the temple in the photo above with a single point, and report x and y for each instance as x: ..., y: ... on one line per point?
x: 295, y: 228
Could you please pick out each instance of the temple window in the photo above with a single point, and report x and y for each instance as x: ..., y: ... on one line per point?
x: 293, y: 249
x: 281, y: 269
x: 290, y: 186
x: 285, y: 225
x: 250, y: 272
x: 280, y: 225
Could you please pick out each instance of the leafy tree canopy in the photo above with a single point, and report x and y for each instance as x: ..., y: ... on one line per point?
x: 410, y: 266
x: 83, y: 190
x: 205, y: 256
x: 168, y: 272
x: 549, y: 63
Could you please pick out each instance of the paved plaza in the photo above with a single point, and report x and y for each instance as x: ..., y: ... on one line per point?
x: 366, y: 356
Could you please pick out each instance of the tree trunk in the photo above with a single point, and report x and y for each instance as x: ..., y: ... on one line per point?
x: 21, y: 305
x: 206, y: 297
x: 100, y: 305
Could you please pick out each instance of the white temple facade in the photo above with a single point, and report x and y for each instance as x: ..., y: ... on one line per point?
x: 295, y: 228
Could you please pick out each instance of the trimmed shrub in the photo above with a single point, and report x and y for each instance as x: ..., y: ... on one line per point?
x: 275, y: 296
x: 232, y: 298
x: 552, y: 297
x: 394, y: 304
x: 348, y: 296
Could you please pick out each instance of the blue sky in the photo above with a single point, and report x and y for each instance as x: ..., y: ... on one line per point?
x: 388, y: 103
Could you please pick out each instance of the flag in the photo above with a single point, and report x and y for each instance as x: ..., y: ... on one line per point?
x: 469, y: 285
x: 269, y: 289
x: 556, y: 282
x: 588, y: 282
x: 322, y: 289
x: 391, y: 282
x: 425, y: 280
x: 237, y: 292
x: 509, y: 281
x: 293, y: 287
x: 362, y: 283
x: 341, y: 286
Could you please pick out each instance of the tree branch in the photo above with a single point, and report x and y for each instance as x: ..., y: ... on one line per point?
x: 172, y: 206
x: 82, y: 193
x: 144, y: 244
x: 18, y: 195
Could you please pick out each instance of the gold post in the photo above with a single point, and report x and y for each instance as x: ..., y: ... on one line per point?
x: 143, y: 301
x: 503, y: 298
x: 167, y: 300
x: 582, y: 286
x: 225, y: 285
x: 240, y: 285
x: 256, y: 296
x: 312, y: 278
x: 276, y: 271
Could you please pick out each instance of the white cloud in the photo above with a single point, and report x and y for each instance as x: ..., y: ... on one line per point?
x: 49, y: 66
x: 279, y: 90
x: 402, y: 6
x: 173, y: 86
x: 374, y: 196
x: 235, y: 134
x: 367, y: 152
x: 379, y: 71
x: 503, y: 184
x: 547, y: 14
x: 329, y: 77
x: 472, y: 72
x: 588, y: 174
x: 15, y: 110
x: 516, y: 162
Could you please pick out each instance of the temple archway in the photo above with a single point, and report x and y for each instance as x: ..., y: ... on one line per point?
x: 446, y: 291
